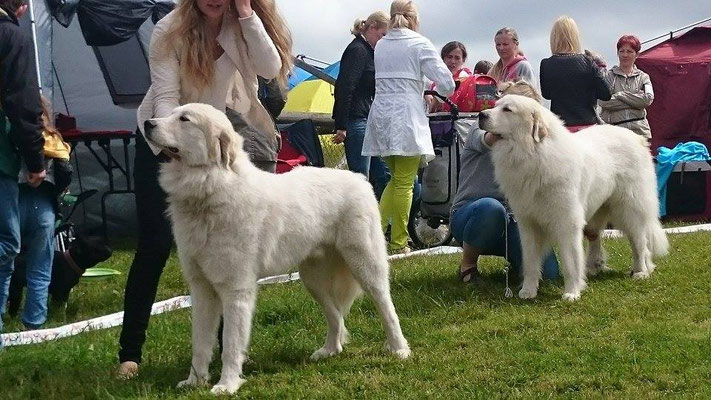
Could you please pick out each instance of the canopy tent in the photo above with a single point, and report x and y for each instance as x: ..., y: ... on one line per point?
x: 680, y: 70
x: 95, y: 68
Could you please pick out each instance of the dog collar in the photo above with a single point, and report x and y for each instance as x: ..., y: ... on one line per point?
x: 68, y: 258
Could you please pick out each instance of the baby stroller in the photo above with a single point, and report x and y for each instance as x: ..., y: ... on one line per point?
x: 429, y: 221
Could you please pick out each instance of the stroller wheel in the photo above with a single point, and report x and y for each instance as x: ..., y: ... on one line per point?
x: 428, y: 233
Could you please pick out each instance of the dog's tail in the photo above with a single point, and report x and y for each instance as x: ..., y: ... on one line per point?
x: 658, y: 242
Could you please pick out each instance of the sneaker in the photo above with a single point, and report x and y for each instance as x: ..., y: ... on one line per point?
x: 127, y: 370
x: 402, y: 250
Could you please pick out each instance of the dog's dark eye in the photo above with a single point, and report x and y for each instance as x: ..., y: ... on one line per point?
x: 184, y: 118
x: 506, y: 109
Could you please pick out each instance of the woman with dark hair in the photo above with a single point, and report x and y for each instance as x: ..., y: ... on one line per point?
x: 632, y: 90
x: 454, y: 55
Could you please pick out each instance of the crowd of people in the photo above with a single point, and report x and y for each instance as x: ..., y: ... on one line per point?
x: 215, y: 53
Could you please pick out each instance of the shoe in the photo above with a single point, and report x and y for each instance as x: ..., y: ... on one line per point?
x: 469, y: 275
x: 127, y: 370
x: 402, y: 250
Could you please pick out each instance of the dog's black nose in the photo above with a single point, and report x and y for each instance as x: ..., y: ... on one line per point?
x: 483, y: 115
x: 148, y: 127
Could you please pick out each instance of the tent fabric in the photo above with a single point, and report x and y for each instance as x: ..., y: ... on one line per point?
x: 667, y: 160
x: 680, y: 70
x: 106, y: 23
x: 310, y: 96
x: 299, y: 75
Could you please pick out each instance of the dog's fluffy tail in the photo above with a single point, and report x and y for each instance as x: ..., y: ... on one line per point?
x: 658, y: 242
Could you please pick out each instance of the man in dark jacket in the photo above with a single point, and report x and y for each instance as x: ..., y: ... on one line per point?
x: 21, y: 139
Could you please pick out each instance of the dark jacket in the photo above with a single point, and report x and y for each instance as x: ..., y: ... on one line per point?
x: 19, y: 94
x: 573, y: 83
x: 355, y: 86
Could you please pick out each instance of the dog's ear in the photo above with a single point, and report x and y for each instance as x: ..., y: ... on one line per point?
x: 228, y: 149
x: 539, y: 129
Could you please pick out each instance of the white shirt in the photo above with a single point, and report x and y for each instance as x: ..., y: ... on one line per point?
x: 397, y: 123
x: 216, y: 93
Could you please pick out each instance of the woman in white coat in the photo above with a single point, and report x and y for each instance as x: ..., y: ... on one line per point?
x: 205, y: 51
x: 397, y: 128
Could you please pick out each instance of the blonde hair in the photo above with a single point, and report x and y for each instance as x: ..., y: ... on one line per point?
x: 195, y: 49
x: 565, y: 37
x: 378, y: 19
x: 521, y: 88
x: 497, y: 70
x: 403, y: 14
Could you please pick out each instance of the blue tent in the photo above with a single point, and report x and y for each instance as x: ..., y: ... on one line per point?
x: 299, y: 75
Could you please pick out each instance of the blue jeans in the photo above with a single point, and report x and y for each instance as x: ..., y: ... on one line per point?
x: 37, y: 233
x: 480, y: 224
x: 9, y: 236
x: 355, y: 132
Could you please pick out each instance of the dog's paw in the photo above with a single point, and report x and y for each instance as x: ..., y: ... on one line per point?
x: 640, y: 275
x: 324, y: 352
x: 527, y: 293
x: 572, y: 296
x: 597, y: 267
x: 403, y: 353
x: 229, y: 387
x: 193, y: 380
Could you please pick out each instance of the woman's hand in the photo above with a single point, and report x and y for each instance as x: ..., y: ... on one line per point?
x: 339, y: 137
x: 491, y: 138
x: 244, y: 8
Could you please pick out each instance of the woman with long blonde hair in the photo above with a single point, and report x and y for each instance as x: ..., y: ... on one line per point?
x: 571, y: 80
x: 204, y: 51
x: 398, y: 129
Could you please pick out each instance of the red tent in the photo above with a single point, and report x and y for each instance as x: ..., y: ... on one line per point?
x: 680, y: 69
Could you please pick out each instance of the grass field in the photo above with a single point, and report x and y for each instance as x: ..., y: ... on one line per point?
x: 624, y: 339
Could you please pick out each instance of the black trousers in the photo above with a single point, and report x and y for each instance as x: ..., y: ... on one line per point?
x: 155, y: 240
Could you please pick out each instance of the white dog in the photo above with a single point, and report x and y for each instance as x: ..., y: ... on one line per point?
x: 234, y: 224
x: 559, y: 184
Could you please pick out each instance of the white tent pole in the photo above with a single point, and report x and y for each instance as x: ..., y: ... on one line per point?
x: 34, y: 41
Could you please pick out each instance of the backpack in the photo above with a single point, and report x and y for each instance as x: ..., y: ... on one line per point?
x: 476, y: 93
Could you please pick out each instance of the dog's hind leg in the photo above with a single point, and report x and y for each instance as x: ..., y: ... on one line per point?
x: 370, y: 267
x: 596, y: 261
x: 238, y: 308
x: 334, y: 288
x: 532, y: 246
x: 206, y: 310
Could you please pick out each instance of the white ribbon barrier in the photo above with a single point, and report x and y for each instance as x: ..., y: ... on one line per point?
x: 176, y: 303
x: 111, y: 320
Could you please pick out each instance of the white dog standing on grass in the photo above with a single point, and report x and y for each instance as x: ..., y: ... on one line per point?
x: 560, y: 184
x: 234, y: 224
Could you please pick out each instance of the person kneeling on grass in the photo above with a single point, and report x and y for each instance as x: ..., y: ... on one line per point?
x: 480, y: 218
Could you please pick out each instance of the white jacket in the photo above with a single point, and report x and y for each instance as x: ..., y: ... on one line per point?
x: 397, y: 123
x: 248, y: 46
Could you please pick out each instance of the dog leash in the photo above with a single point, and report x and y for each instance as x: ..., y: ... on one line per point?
x: 508, y: 293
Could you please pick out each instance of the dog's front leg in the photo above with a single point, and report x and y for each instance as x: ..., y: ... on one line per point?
x: 532, y: 247
x: 573, y: 264
x: 206, y: 309
x: 238, y: 308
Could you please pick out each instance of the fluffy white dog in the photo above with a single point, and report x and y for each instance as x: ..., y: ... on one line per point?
x: 559, y: 184
x: 234, y: 224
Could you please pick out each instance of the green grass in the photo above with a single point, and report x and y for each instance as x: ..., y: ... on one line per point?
x: 624, y: 339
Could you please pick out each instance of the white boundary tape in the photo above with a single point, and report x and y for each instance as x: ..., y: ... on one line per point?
x: 180, y: 302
